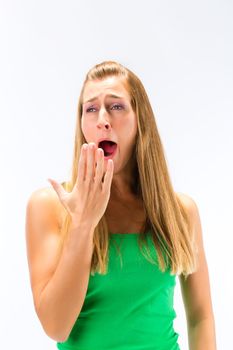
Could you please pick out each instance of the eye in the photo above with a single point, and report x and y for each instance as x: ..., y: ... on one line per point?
x: 117, y: 105
x: 89, y: 109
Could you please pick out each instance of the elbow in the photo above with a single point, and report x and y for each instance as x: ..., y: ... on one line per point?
x: 57, y: 337
x: 54, y: 333
x: 53, y: 328
x: 192, y: 323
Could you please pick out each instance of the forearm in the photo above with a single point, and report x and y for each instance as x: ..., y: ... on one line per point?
x: 62, y: 298
x: 202, y: 335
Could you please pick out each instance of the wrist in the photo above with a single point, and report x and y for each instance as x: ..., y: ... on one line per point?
x: 81, y: 225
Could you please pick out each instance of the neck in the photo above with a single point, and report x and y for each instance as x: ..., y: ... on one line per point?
x: 123, y: 184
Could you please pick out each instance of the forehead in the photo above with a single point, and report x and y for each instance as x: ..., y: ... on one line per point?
x: 101, y: 88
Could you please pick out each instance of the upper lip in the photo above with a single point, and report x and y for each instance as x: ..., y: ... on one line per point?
x: 104, y: 139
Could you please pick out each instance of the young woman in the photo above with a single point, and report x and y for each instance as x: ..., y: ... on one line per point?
x: 105, y: 247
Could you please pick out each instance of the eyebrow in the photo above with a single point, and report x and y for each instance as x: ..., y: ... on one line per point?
x: 109, y: 95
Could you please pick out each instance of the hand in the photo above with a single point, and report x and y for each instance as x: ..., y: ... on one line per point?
x: 90, y: 195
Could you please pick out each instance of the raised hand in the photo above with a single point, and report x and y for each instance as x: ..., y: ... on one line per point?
x: 90, y: 195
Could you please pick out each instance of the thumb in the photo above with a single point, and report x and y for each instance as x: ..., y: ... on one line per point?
x: 57, y: 188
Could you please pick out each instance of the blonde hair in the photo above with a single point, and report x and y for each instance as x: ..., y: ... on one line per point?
x: 166, y: 216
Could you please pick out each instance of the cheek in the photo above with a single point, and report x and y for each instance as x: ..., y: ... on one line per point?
x: 130, y: 128
x: 85, y: 127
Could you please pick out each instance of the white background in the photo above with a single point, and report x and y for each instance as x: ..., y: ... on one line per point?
x: 182, y: 52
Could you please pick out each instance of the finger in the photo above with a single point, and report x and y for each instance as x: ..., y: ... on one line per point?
x: 82, y: 164
x: 108, y: 175
x: 59, y: 189
x: 99, y: 166
x: 94, y: 158
x: 90, y: 162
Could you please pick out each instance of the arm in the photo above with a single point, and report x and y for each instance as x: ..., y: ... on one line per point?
x: 202, y: 335
x: 196, y: 291
x: 59, y: 288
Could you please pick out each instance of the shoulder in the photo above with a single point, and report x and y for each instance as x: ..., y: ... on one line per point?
x: 193, y: 213
x: 44, y: 203
x: 44, y: 195
x: 188, y: 203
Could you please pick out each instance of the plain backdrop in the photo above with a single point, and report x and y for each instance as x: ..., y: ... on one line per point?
x: 182, y: 52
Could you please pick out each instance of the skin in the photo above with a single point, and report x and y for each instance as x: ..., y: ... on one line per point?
x: 195, y: 290
x: 113, y: 118
x: 121, y: 126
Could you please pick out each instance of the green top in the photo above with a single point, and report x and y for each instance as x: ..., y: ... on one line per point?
x: 129, y: 308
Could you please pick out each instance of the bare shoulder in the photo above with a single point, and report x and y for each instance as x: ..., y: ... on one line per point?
x: 42, y: 226
x: 190, y: 206
x: 196, y: 289
x: 188, y: 202
x: 45, y: 203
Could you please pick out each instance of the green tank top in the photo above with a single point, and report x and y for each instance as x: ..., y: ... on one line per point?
x: 129, y: 308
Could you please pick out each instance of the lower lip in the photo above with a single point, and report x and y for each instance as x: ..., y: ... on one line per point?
x: 111, y: 155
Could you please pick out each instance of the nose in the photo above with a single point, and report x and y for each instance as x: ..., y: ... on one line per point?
x: 103, y: 119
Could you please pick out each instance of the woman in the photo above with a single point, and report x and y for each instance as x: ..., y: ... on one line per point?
x: 93, y: 285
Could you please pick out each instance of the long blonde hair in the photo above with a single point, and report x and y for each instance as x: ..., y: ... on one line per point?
x: 166, y: 217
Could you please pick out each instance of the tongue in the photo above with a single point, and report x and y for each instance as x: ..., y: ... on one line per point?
x: 109, y: 147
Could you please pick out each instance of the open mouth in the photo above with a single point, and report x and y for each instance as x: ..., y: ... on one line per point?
x: 109, y: 147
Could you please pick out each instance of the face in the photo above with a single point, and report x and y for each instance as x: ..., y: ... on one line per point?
x: 110, y: 117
